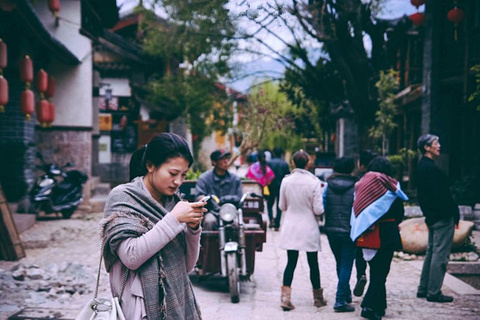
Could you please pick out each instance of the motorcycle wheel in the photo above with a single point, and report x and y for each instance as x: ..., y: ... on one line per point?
x: 67, y: 213
x: 233, y: 279
x: 34, y: 208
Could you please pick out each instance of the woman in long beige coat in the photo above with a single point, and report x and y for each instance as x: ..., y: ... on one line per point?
x: 301, y: 200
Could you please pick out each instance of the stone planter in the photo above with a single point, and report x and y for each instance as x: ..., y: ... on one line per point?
x: 414, y: 234
x: 476, y: 216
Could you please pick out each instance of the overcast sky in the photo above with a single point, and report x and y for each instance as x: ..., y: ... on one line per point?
x: 393, y: 9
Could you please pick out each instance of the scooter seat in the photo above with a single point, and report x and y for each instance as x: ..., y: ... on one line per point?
x: 251, y: 226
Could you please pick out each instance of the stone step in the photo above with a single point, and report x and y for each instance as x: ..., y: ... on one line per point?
x: 101, y: 189
x: 23, y: 221
x: 94, y: 204
x: 98, y: 203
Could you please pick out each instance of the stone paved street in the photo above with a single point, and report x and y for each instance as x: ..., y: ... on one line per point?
x: 260, y: 298
x: 71, y: 248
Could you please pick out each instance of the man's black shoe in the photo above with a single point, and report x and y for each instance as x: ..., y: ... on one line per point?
x: 360, y: 286
x: 421, y: 294
x: 440, y: 298
x: 344, y: 308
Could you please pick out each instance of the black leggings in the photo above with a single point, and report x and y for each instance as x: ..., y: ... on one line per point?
x: 312, y: 258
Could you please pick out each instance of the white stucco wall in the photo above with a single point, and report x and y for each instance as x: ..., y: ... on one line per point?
x: 67, y: 32
x: 73, y: 94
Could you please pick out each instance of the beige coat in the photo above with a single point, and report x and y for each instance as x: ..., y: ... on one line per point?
x: 301, y: 200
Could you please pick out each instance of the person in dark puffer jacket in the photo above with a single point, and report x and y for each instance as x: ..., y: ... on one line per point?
x: 338, y: 201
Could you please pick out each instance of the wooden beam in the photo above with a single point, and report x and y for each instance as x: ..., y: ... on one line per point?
x: 11, y: 248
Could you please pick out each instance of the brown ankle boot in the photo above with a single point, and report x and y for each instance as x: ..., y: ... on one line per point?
x: 318, y: 300
x: 285, y: 302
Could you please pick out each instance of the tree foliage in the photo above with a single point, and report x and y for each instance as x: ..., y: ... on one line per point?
x: 475, y: 96
x: 326, y: 50
x: 194, y: 38
x: 268, y: 119
x: 387, y: 86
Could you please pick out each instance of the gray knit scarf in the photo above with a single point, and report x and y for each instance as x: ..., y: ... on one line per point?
x: 131, y: 211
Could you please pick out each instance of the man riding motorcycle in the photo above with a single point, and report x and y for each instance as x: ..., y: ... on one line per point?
x: 219, y: 182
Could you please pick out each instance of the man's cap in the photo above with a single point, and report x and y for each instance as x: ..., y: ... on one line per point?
x: 219, y: 154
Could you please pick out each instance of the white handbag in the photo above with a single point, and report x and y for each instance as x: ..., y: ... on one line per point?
x: 103, y: 308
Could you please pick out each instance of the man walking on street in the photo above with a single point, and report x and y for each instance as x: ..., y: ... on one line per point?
x: 441, y: 216
x: 280, y: 169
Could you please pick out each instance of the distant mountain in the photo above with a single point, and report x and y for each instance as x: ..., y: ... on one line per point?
x: 256, y: 70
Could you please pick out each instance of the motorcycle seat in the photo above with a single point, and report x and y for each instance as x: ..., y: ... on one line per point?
x: 64, y: 185
x: 251, y: 226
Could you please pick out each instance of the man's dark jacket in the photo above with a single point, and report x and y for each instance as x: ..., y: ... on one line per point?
x: 280, y: 169
x: 338, y: 201
x: 210, y: 183
x: 434, y: 194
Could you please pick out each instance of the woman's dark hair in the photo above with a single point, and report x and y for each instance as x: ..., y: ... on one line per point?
x: 344, y: 165
x: 300, y: 158
x: 262, y: 160
x: 157, y: 151
x: 366, y: 156
x: 382, y: 165
x: 277, y: 152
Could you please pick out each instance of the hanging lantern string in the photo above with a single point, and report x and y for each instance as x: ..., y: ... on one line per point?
x: 456, y: 15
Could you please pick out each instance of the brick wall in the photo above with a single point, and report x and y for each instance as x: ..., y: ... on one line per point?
x: 17, y: 147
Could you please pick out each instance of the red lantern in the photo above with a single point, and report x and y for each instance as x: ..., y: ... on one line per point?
x: 123, y: 122
x: 51, y: 113
x: 417, y: 18
x: 27, y: 103
x: 3, y: 55
x: 42, y: 81
x: 54, y: 6
x: 417, y: 3
x: 51, y: 87
x: 456, y: 15
x: 43, y: 112
x: 26, y: 70
x: 3, y: 93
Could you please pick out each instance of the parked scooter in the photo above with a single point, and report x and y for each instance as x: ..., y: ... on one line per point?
x: 232, y: 240
x: 57, y: 191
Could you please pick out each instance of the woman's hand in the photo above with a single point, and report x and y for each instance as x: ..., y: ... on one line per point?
x: 190, y: 213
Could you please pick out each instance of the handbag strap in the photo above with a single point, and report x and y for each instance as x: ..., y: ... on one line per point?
x: 125, y: 277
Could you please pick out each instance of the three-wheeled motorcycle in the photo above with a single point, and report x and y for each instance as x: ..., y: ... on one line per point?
x: 230, y: 250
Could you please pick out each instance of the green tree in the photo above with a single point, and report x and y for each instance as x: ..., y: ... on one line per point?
x: 195, y: 40
x: 387, y: 86
x: 475, y: 96
x: 268, y: 119
x: 327, y: 40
